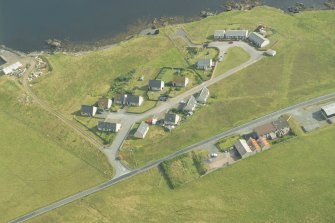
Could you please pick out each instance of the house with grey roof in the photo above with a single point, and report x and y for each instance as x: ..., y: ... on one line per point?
x: 205, y: 64
x: 203, y: 95
x: 88, y: 110
x: 156, y: 85
x: 180, y: 81
x: 190, y: 105
x: 243, y: 148
x: 120, y: 99
x: 219, y: 34
x: 134, y: 100
x: 109, y: 126
x: 104, y: 103
x: 258, y: 40
x: 142, y: 131
x: 236, y: 34
x: 171, y: 119
x: 128, y: 99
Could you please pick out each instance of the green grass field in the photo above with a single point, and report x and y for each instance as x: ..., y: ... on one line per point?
x: 271, y: 84
x: 41, y: 159
x: 292, y: 182
x: 234, y: 57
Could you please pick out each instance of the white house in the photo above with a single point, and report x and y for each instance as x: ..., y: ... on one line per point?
x: 156, y: 85
x: 243, y: 148
x: 258, y: 40
x: 109, y: 126
x: 88, y: 110
x: 203, y: 95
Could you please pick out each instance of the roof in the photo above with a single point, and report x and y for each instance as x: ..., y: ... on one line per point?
x: 133, y: 98
x: 329, y: 109
x: 257, y: 38
x: 108, y: 124
x: 170, y: 117
x: 203, y: 95
x: 204, y: 63
x: 219, y: 33
x: 143, y: 128
x: 231, y: 33
x: 241, y: 143
x: 264, y: 129
x: 271, y: 52
x: 103, y: 102
x: 156, y: 83
x: 120, y: 97
x: 11, y: 68
x: 191, y: 103
x: 180, y: 80
x: 87, y: 109
x: 281, y: 123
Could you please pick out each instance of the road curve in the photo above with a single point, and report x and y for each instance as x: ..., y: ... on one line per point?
x: 119, y: 179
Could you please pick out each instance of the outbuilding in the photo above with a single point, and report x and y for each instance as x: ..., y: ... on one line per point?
x: 328, y: 111
x: 258, y: 40
x: 11, y: 68
x: 243, y: 148
x: 142, y: 131
x: 271, y: 53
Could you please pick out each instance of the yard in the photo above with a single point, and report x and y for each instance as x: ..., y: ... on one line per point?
x: 297, y: 174
x: 267, y: 86
x: 42, y: 160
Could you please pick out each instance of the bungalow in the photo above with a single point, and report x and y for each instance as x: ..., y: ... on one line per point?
x: 205, y: 64
x: 190, y: 105
x: 258, y: 40
x: 156, y: 85
x: 243, y: 148
x: 104, y: 103
x: 142, y: 131
x: 236, y: 34
x: 328, y: 111
x: 109, y: 126
x: 180, y: 81
x: 87, y: 110
x: 171, y: 119
x: 272, y: 130
x: 219, y: 34
x: 120, y: 99
x: 134, y: 100
x: 203, y: 95
x: 128, y: 99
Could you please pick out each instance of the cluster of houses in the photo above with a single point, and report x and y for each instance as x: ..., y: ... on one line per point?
x: 261, y: 134
x: 257, y: 38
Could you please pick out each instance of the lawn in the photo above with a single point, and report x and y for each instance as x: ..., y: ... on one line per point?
x: 267, y: 86
x: 41, y: 159
x: 82, y: 79
x: 234, y: 57
x: 292, y: 182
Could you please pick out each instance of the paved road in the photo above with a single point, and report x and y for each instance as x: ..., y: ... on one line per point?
x: 129, y: 119
x: 211, y: 140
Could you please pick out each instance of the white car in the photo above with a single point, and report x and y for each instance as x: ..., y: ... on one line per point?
x: 213, y: 155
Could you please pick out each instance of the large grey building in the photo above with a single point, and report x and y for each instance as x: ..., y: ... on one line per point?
x: 258, y: 40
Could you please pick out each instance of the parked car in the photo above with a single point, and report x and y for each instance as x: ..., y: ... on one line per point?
x: 231, y: 42
x: 213, y: 155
